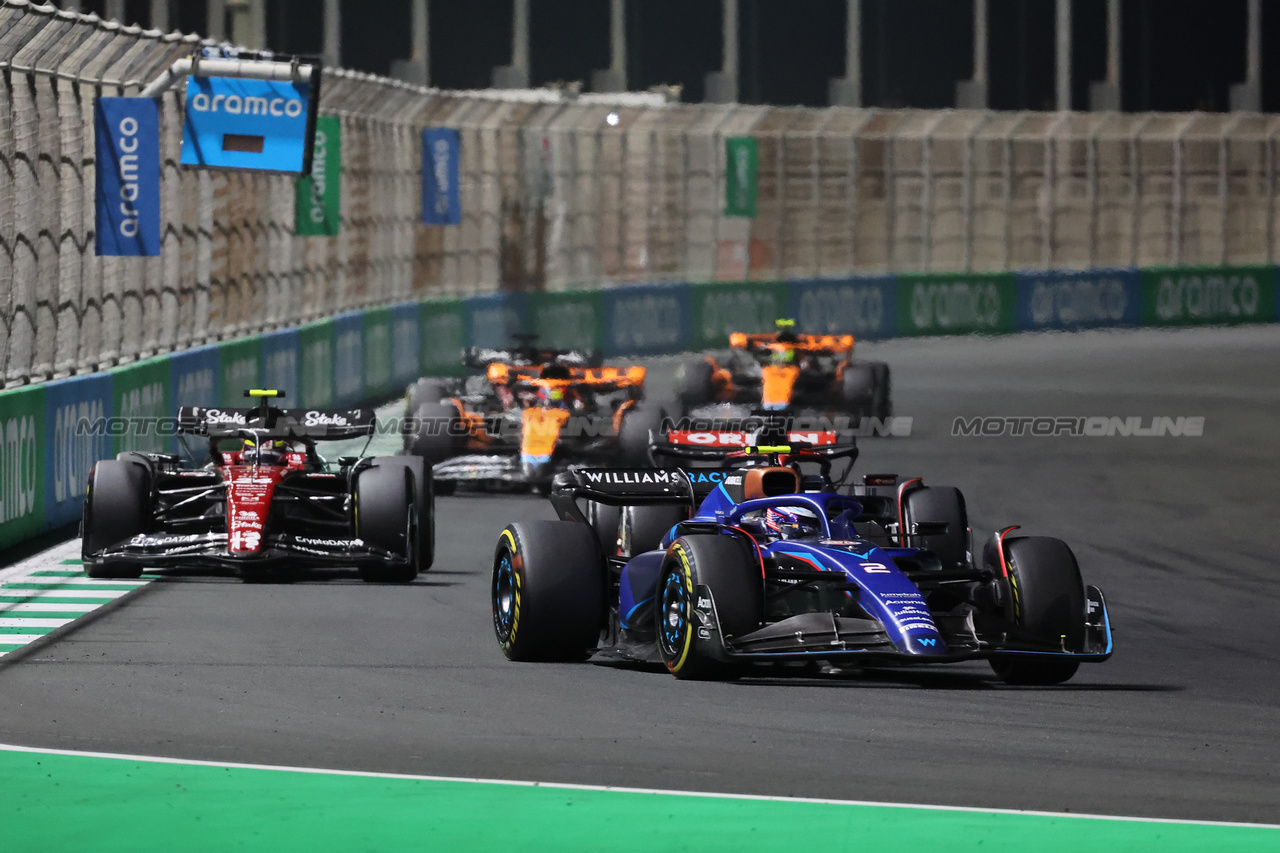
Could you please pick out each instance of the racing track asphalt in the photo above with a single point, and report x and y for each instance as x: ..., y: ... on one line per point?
x: 1179, y: 533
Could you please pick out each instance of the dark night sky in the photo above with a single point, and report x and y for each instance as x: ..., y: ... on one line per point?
x: 1178, y: 54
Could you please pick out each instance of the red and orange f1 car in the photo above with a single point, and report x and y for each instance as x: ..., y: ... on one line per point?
x: 784, y: 372
x: 524, y: 419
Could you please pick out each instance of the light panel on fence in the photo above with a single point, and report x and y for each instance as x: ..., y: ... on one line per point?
x: 441, y: 204
x: 127, y: 132
x: 246, y: 124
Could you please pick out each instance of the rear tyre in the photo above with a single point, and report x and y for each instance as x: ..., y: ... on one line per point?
x: 1047, y: 601
x: 693, y: 383
x: 725, y: 565
x: 547, y: 591
x: 604, y: 521
x: 424, y: 500
x: 644, y: 526
x: 882, y: 398
x: 426, y: 390
x: 117, y: 508
x: 858, y: 390
x: 633, y: 435
x: 935, y: 504
x: 439, y: 432
x: 386, y: 517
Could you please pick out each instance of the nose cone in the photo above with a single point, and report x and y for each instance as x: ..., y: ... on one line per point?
x: 535, y: 467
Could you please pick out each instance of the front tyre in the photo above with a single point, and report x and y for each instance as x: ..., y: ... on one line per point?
x: 1047, y: 601
x: 726, y: 566
x: 116, y: 509
x: 387, y: 517
x: 547, y: 591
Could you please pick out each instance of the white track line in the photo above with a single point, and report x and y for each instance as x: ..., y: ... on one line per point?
x: 560, y: 786
x: 40, y: 607
x: 31, y: 622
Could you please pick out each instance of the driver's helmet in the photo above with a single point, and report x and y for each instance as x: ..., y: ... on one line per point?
x: 782, y: 358
x: 792, y: 522
x: 786, y: 331
x: 551, y: 397
x: 267, y: 452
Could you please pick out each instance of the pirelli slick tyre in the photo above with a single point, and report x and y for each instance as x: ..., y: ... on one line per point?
x: 603, y: 519
x: 438, y: 432
x: 547, y: 591
x: 882, y: 397
x: 387, y: 517
x: 693, y: 383
x: 116, y: 509
x: 1047, y: 600
x: 425, y: 390
x: 644, y: 526
x: 940, y: 504
x: 633, y: 435
x: 424, y: 500
x: 726, y: 566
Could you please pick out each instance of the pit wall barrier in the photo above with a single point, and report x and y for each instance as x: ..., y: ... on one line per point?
x: 46, y: 450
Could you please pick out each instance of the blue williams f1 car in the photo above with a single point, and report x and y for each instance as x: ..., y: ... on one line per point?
x: 755, y: 561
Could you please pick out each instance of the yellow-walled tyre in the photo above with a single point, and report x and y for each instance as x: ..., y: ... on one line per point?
x: 727, y: 566
x: 547, y: 591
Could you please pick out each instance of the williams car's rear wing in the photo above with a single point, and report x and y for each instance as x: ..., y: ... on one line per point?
x: 619, y: 487
x: 314, y: 424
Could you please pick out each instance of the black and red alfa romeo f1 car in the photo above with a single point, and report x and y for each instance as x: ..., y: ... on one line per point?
x: 265, y: 502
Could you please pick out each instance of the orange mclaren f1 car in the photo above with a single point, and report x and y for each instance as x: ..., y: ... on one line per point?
x: 528, y: 415
x: 785, y: 373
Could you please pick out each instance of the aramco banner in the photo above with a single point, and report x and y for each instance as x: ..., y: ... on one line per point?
x: 742, y: 158
x: 441, y: 204
x: 127, y: 135
x: 245, y: 124
x: 318, y: 208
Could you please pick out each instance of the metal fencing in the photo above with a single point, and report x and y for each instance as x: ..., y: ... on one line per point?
x: 561, y: 192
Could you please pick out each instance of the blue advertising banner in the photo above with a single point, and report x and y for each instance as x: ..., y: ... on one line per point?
x: 492, y: 320
x: 405, y: 343
x: 440, y: 151
x: 862, y: 307
x: 280, y: 363
x: 1077, y: 300
x: 646, y: 319
x: 245, y: 124
x: 127, y: 135
x: 348, y: 358
x: 76, y: 437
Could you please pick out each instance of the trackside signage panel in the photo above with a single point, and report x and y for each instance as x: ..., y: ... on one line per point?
x: 318, y: 208
x: 245, y: 124
x: 127, y: 136
x: 441, y: 204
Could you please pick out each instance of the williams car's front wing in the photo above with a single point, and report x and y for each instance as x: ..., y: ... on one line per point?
x: 823, y: 636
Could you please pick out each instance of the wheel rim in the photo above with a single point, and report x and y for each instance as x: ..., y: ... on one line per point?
x: 504, y: 597
x: 675, y: 616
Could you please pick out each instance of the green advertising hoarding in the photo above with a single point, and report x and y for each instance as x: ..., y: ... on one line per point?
x: 22, y: 464
x: 443, y: 326
x: 1191, y: 296
x: 142, y: 399
x: 315, y: 368
x: 377, y: 351
x: 722, y: 308
x: 317, y: 207
x: 956, y: 304
x: 240, y: 362
x: 742, y: 159
x: 571, y: 320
